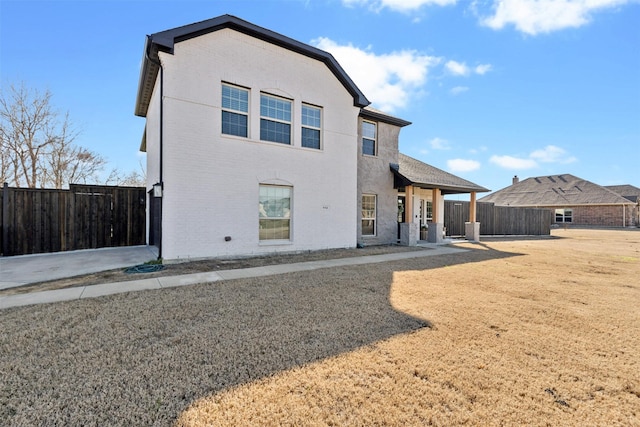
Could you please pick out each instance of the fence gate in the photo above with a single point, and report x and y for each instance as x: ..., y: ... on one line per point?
x: 83, y: 217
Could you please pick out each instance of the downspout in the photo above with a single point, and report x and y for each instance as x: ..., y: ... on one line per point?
x: 159, y: 64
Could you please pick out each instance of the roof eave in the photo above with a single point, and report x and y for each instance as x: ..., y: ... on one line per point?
x: 444, y: 188
x: 378, y: 116
x: 165, y: 41
x: 148, y: 75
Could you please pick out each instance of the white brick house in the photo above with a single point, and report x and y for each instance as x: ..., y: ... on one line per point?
x: 253, y: 144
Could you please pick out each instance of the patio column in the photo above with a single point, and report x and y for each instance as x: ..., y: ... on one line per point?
x: 409, y: 231
x: 472, y: 228
x: 408, y: 202
x: 472, y: 207
x: 435, y: 233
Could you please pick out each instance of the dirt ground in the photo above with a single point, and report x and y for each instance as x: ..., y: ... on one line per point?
x: 513, y: 332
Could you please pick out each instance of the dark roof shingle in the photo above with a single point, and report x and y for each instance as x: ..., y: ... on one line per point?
x: 627, y: 191
x: 554, y: 190
x: 411, y: 171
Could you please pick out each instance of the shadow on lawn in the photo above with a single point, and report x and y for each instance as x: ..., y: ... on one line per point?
x: 143, y: 358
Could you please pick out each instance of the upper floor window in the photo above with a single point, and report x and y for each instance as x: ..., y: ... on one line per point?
x: 235, y: 110
x: 275, y: 119
x: 369, y: 132
x: 311, y: 122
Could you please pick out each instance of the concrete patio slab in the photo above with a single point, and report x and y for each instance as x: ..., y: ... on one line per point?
x: 25, y: 269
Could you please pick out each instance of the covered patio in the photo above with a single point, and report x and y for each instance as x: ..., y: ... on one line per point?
x: 423, y: 188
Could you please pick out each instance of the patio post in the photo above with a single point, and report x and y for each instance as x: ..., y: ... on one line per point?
x: 472, y: 228
x: 409, y: 231
x: 436, y: 228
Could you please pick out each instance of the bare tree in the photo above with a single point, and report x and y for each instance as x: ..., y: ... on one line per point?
x: 25, y: 120
x: 37, y: 149
x: 132, y: 179
x: 67, y: 163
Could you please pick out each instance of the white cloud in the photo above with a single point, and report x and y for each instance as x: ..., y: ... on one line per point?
x: 483, y: 69
x: 458, y: 90
x: 440, y: 144
x: 552, y: 154
x: 544, y: 16
x: 387, y: 80
x: 548, y: 154
x: 457, y: 68
x: 462, y: 165
x: 462, y: 69
x: 509, y: 162
x: 398, y: 5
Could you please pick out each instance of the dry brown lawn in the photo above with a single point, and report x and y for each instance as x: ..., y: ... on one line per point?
x: 512, y: 332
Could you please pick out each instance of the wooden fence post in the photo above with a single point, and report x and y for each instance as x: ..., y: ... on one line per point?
x: 5, y: 220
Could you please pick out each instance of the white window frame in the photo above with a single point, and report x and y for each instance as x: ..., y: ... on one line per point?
x: 364, y: 216
x: 277, y: 119
x: 234, y: 111
x: 312, y: 126
x: 563, y: 215
x: 263, y: 214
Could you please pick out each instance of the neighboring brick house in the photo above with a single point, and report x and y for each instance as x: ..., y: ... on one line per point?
x: 257, y: 143
x: 573, y: 200
x: 630, y: 193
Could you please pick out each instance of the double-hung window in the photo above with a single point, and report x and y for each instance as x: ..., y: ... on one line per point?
x: 274, y: 210
x: 368, y: 215
x: 275, y: 119
x: 369, y: 132
x: 311, y: 125
x: 235, y: 110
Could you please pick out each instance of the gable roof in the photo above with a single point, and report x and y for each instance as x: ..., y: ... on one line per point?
x: 165, y: 41
x: 627, y: 191
x: 410, y: 171
x: 554, y: 190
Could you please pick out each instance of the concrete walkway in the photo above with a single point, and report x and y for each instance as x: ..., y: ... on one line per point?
x: 24, y: 269
x: 94, y: 291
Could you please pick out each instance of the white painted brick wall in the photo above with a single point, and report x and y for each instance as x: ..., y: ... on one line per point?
x: 211, y: 181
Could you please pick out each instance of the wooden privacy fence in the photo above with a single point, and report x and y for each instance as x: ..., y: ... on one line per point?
x: 82, y: 217
x: 497, y: 220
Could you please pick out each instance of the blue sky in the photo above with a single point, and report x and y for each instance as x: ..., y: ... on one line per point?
x: 493, y: 88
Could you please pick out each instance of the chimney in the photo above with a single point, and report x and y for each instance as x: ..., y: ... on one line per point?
x: 515, y: 180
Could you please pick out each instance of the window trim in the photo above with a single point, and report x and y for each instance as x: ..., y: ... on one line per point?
x: 375, y: 138
x: 275, y: 119
x: 374, y: 218
x: 278, y: 218
x: 562, y: 214
x: 312, y: 127
x: 238, y: 112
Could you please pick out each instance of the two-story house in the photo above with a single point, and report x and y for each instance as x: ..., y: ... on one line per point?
x: 257, y: 143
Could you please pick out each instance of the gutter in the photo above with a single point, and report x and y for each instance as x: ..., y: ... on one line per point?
x: 160, y: 134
